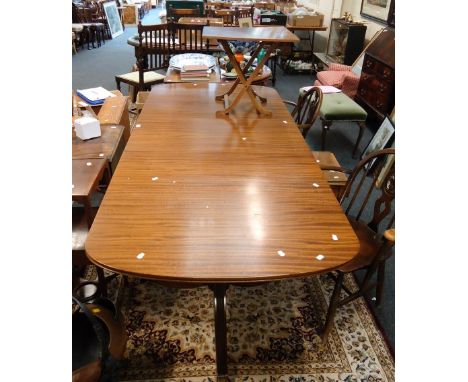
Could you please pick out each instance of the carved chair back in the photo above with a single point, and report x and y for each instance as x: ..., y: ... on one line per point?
x: 369, y: 194
x: 155, y: 48
x: 189, y: 38
x: 228, y: 16
x: 244, y: 13
x: 308, y: 107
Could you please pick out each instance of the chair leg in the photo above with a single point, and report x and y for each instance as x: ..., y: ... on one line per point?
x: 273, y: 69
x: 380, y: 283
x: 325, y: 127
x: 117, y: 81
x: 133, y: 90
x: 334, y: 300
x: 101, y: 281
x: 362, y: 126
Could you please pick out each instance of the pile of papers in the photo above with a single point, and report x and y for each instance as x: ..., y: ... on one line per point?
x: 94, y: 96
x: 195, y: 73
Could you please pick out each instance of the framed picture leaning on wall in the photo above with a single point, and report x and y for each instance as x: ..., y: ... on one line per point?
x: 381, y: 138
x: 113, y: 18
x: 379, y: 10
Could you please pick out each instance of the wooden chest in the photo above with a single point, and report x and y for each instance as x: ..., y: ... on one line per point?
x: 376, y: 91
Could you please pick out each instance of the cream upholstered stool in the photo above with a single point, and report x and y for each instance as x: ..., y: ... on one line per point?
x: 133, y: 80
x: 339, y: 107
x: 79, y: 31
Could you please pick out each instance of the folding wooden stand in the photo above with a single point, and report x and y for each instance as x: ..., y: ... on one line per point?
x: 269, y: 38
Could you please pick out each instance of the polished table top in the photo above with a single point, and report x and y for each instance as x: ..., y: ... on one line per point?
x: 202, y: 199
x: 265, y: 34
x: 86, y: 173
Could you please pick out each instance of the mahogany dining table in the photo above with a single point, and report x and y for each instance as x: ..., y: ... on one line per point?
x: 200, y: 200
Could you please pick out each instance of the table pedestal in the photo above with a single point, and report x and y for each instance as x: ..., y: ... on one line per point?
x: 219, y: 291
x: 246, y: 83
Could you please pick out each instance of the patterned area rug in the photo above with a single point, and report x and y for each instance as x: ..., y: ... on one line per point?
x: 272, y: 335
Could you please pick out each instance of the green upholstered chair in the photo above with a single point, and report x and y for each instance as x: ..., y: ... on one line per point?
x: 340, y: 107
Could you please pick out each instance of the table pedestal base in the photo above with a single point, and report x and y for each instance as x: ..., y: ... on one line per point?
x: 219, y: 291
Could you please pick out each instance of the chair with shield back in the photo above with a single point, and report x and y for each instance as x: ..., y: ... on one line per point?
x: 153, y: 52
x: 368, y: 202
x: 306, y: 111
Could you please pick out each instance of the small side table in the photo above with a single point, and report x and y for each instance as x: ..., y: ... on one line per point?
x: 86, y: 174
x: 269, y: 38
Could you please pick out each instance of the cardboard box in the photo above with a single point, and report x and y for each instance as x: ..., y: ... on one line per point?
x: 305, y: 20
x: 286, y: 7
x: 87, y: 128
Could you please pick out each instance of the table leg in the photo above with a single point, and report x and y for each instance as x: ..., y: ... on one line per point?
x: 219, y: 291
x: 246, y: 83
x: 237, y: 81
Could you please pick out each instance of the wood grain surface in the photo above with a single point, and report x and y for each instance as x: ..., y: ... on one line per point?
x: 296, y: 28
x: 86, y: 174
x: 202, y: 199
x: 266, y: 34
x: 108, y: 145
x: 115, y: 111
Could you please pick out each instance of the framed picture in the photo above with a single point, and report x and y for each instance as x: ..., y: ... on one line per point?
x: 113, y: 18
x: 379, y: 10
x: 389, y: 162
x: 245, y: 22
x: 381, y: 138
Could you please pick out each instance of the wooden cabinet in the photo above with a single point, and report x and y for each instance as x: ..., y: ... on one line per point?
x: 376, y: 91
x: 346, y: 41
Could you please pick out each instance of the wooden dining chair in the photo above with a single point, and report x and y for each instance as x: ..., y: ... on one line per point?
x: 189, y: 38
x: 243, y: 13
x: 156, y: 44
x: 305, y: 113
x: 306, y: 109
x: 368, y: 202
x: 228, y: 16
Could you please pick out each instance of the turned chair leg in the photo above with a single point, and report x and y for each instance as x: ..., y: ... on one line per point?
x: 305, y: 131
x: 134, y: 90
x: 380, y: 283
x: 362, y: 126
x: 102, y: 281
x: 325, y: 127
x: 334, y: 301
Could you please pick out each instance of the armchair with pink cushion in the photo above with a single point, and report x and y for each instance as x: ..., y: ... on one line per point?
x: 341, y: 77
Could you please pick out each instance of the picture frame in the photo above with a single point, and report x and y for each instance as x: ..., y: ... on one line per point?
x: 382, y: 11
x: 389, y: 162
x: 245, y: 22
x: 380, y: 139
x: 113, y: 18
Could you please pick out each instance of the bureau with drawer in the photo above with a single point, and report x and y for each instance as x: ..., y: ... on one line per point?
x: 376, y: 91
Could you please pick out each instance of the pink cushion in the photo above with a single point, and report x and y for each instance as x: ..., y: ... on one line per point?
x: 332, y: 78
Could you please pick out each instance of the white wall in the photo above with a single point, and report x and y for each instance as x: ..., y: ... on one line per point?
x: 334, y: 9
x: 330, y: 9
x: 354, y: 6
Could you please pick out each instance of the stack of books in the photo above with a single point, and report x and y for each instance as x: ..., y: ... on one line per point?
x: 94, y: 96
x: 195, y: 73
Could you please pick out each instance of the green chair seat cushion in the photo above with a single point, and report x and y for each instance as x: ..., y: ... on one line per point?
x: 339, y: 107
